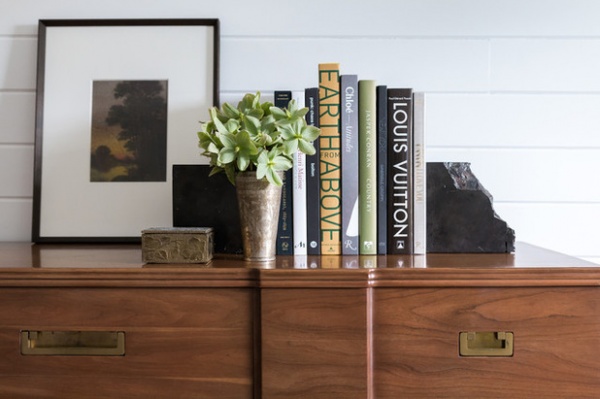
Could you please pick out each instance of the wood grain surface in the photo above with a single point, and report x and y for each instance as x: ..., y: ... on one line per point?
x: 338, y: 328
x: 314, y: 343
x: 556, y: 342
x: 190, y: 339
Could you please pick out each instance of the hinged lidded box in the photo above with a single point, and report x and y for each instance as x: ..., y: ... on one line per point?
x: 177, y: 245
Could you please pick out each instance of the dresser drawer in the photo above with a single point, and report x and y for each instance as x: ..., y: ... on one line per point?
x: 314, y: 343
x: 179, y: 342
x: 556, y: 342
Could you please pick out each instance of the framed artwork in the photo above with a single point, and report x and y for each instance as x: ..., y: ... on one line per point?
x: 119, y: 102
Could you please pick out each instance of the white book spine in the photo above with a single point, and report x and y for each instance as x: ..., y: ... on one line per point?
x: 420, y: 175
x: 299, y: 193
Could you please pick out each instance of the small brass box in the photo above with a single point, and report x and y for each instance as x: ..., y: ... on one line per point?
x: 177, y: 245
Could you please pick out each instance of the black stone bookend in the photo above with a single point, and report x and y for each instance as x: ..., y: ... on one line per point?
x: 200, y: 200
x: 460, y: 214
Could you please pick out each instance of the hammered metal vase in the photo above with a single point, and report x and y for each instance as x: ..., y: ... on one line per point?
x: 259, y: 203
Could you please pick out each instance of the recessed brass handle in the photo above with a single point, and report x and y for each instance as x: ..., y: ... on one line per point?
x: 486, y: 343
x: 73, y: 343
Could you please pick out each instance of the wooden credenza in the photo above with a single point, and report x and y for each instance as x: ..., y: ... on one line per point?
x: 322, y: 327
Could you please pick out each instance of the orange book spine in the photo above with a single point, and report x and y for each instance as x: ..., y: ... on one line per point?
x: 330, y: 158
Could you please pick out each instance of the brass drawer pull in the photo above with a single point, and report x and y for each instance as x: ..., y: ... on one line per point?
x: 488, y: 343
x: 73, y: 343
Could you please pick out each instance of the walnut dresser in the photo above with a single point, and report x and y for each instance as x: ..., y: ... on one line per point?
x: 92, y: 321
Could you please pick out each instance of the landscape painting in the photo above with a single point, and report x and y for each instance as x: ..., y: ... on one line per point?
x: 129, y: 131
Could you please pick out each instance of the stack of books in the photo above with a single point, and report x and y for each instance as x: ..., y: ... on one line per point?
x: 363, y: 192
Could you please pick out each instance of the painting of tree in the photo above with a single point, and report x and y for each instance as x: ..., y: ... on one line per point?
x: 129, y: 131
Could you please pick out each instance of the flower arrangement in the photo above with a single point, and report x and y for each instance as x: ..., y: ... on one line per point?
x: 256, y: 136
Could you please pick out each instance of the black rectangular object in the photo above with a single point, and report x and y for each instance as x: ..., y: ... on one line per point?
x: 285, y: 231
x: 313, y: 179
x: 203, y: 201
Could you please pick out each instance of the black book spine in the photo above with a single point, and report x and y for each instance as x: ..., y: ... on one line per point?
x: 285, y: 238
x: 382, y: 165
x: 313, y: 184
x: 400, y: 179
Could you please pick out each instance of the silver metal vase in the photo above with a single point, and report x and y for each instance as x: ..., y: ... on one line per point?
x: 259, y: 203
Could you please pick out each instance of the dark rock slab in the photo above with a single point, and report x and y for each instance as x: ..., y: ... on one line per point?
x: 460, y: 214
x: 200, y: 200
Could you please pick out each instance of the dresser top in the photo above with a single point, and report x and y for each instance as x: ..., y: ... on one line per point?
x: 121, y: 264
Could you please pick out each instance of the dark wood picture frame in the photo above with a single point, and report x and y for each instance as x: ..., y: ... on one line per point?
x: 67, y: 206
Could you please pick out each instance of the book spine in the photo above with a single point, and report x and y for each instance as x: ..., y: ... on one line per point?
x: 349, y: 132
x: 382, y: 166
x: 329, y: 160
x: 420, y: 177
x: 299, y: 193
x: 285, y: 239
x: 367, y: 143
x: 400, y: 212
x: 313, y: 210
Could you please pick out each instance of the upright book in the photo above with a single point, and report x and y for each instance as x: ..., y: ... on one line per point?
x: 367, y: 142
x: 420, y: 175
x: 400, y: 179
x: 299, y: 192
x: 349, y: 131
x: 313, y: 186
x: 382, y: 166
x: 285, y: 238
x: 330, y: 145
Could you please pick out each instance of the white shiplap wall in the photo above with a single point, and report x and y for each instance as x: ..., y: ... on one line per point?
x: 513, y: 87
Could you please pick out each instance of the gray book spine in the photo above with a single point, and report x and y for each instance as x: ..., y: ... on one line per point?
x: 349, y: 131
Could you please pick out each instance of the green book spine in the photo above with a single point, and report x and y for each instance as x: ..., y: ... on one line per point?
x: 330, y: 159
x: 367, y: 144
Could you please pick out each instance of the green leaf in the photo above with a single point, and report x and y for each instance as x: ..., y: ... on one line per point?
x: 266, y: 107
x: 212, y: 148
x: 232, y: 125
x: 273, y: 178
x: 310, y: 133
x: 253, y: 125
x: 218, y: 124
x: 230, y: 172
x: 262, y: 164
x: 230, y: 111
x: 257, y: 113
x: 267, y: 125
x: 278, y: 113
x: 246, y: 103
x: 281, y: 162
x: 261, y: 171
x: 243, y: 161
x: 204, y: 139
x: 292, y: 106
x: 256, y: 101
x: 228, y: 140
x: 215, y: 170
x: 302, y: 112
x: 245, y: 143
x: 290, y: 147
x: 227, y: 155
x: 306, y: 147
x: 287, y: 131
